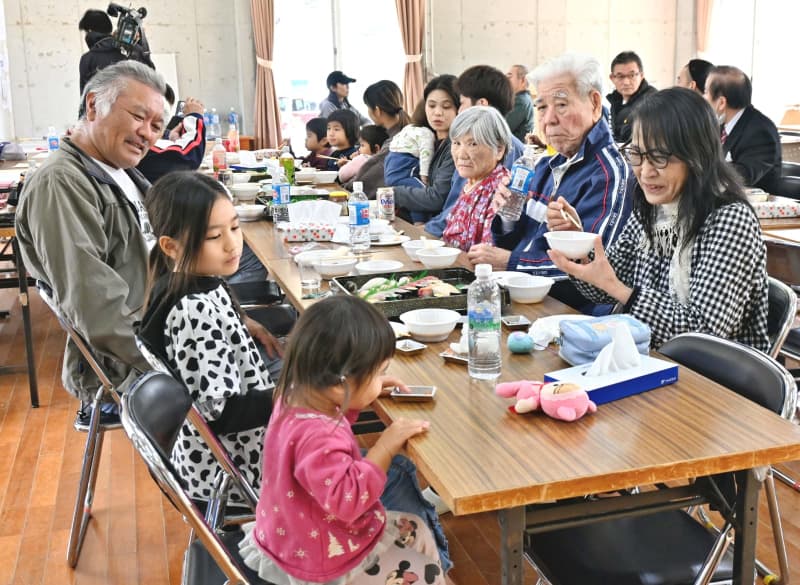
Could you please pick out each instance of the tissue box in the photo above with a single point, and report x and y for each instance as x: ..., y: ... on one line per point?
x: 651, y: 373
x: 776, y: 207
x: 303, y: 232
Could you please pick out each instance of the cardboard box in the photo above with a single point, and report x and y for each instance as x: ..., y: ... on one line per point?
x: 651, y: 373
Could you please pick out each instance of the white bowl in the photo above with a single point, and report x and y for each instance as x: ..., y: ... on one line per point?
x: 332, y: 267
x: 250, y: 212
x: 413, y: 246
x: 245, y: 192
x: 438, y: 257
x: 239, y: 178
x: 378, y: 266
x: 430, y: 324
x: 528, y: 288
x: 314, y: 256
x: 325, y: 177
x: 572, y: 244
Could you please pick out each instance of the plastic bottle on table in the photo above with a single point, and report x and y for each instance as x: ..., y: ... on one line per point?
x: 218, y: 160
x: 519, y: 185
x: 358, y: 210
x: 483, y: 314
x: 233, y: 117
x: 52, y: 139
x: 233, y: 138
x: 287, y: 162
x: 281, y: 197
x: 215, y: 128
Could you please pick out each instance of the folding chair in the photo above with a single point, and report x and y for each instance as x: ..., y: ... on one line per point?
x: 671, y: 547
x: 781, y: 312
x: 153, y: 411
x: 94, y: 438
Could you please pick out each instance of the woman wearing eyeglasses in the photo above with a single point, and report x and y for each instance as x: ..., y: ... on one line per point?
x: 691, y: 256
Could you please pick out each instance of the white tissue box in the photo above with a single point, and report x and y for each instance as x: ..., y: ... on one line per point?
x: 303, y: 232
x: 651, y: 373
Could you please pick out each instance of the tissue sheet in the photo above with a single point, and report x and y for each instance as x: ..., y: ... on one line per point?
x: 651, y: 373
x: 621, y: 354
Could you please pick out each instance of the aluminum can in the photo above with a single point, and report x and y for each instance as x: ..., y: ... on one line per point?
x: 385, y: 196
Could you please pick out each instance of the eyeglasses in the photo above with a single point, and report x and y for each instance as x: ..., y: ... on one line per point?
x: 657, y: 158
x: 629, y: 76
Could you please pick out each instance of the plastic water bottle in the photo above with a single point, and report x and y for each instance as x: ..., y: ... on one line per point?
x: 219, y: 162
x: 483, y: 314
x: 287, y: 162
x: 233, y: 138
x: 281, y: 197
x: 519, y: 185
x: 233, y: 117
x: 52, y: 139
x: 358, y: 210
x: 207, y: 123
x: 216, y: 129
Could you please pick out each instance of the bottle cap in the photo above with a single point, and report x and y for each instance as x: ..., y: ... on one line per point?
x: 483, y: 270
x: 358, y: 186
x: 51, y: 130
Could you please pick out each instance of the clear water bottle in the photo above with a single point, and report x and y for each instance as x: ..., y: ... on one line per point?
x: 52, y: 139
x: 281, y: 198
x: 207, y: 123
x: 233, y: 117
x: 358, y: 210
x: 483, y: 314
x: 519, y: 185
x: 215, y: 128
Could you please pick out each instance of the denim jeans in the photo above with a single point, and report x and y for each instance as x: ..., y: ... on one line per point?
x: 403, y: 494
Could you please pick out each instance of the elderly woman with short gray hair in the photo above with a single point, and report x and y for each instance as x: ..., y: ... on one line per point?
x: 480, y: 138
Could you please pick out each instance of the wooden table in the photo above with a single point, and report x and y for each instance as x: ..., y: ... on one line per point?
x: 480, y: 457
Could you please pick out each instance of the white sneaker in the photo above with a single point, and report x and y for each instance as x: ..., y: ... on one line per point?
x: 438, y: 503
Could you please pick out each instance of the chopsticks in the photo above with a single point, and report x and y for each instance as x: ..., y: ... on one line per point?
x: 327, y: 157
x: 574, y: 221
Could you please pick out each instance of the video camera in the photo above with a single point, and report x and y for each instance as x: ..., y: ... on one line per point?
x: 129, y: 26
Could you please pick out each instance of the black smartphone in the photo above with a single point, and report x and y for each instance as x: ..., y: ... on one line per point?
x: 417, y: 394
x: 179, y: 108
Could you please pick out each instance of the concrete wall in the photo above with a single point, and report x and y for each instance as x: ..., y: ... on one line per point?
x: 504, y: 32
x: 212, y: 43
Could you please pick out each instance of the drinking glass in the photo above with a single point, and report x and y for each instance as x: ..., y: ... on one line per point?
x: 309, y: 280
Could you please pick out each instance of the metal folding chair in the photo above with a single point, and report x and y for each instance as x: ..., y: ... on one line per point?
x: 94, y: 438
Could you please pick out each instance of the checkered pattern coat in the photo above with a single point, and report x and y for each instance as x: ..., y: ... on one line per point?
x: 727, y: 280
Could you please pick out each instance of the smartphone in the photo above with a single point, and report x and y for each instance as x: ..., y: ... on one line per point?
x: 179, y: 108
x: 516, y: 322
x: 417, y: 394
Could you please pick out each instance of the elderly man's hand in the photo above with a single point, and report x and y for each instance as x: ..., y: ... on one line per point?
x: 193, y: 106
x: 598, y: 272
x: 488, y: 254
x: 555, y: 216
x: 501, y: 194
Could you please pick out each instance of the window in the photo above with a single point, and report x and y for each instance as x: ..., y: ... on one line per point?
x: 314, y: 37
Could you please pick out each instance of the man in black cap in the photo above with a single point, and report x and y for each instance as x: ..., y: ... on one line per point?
x: 339, y: 87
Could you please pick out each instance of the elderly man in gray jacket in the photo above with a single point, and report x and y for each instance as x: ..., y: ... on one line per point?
x: 83, y: 228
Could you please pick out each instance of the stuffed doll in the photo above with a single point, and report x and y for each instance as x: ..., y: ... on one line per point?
x: 563, y: 401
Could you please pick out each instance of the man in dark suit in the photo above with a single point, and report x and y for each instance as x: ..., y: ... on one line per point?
x: 750, y: 140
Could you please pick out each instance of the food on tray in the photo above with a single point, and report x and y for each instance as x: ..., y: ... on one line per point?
x: 388, y: 289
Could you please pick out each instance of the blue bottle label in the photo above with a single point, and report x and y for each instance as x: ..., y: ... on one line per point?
x: 358, y: 212
x: 52, y: 142
x: 521, y: 179
x: 281, y: 194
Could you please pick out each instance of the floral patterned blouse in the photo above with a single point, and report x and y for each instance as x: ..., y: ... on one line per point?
x: 470, y: 220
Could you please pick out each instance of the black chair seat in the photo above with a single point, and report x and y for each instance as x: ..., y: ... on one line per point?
x: 259, y: 292
x: 667, y: 548
x: 201, y: 569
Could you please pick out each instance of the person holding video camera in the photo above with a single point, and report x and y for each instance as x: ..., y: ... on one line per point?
x: 107, y: 48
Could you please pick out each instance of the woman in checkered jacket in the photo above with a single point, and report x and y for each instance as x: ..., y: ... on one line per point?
x: 691, y: 257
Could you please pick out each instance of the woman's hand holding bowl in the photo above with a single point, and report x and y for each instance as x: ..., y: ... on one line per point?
x: 598, y: 272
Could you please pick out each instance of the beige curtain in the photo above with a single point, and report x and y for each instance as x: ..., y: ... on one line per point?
x: 704, y: 8
x: 411, y: 15
x: 267, y: 113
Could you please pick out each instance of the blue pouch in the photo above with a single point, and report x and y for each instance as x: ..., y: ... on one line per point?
x: 582, y: 340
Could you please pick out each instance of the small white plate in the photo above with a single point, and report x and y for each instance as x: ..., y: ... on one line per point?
x: 395, y: 242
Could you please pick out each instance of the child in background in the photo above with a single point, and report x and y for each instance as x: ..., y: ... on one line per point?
x: 317, y: 144
x: 410, y: 152
x: 342, y: 136
x: 319, y: 519
x: 194, y: 325
x: 370, y: 141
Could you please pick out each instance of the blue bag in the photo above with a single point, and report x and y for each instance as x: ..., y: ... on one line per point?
x: 582, y: 340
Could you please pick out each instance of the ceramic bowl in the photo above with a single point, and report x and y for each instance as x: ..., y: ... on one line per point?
x: 378, y: 266
x: 239, y: 178
x: 528, y: 288
x: 413, y: 246
x: 250, y: 212
x: 325, y: 177
x: 572, y: 244
x: 438, y: 257
x: 333, y: 267
x: 430, y: 324
x: 245, y: 192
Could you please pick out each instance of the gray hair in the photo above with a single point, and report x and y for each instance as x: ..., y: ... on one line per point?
x: 486, y: 126
x: 108, y: 83
x: 585, y: 69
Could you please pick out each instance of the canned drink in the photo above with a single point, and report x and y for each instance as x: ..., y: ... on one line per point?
x: 385, y: 196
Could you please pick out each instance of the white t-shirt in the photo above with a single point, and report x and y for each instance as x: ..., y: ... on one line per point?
x: 133, y: 194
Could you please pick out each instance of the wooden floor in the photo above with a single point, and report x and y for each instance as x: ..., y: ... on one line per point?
x: 135, y: 536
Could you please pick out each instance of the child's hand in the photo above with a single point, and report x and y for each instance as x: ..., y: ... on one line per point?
x: 342, y: 161
x: 393, y: 439
x: 424, y: 179
x: 388, y: 383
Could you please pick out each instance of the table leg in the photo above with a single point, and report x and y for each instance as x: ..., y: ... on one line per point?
x: 512, y: 526
x: 744, y: 551
x: 22, y: 274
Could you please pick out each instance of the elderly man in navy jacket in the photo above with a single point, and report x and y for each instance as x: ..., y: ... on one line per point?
x: 588, y: 171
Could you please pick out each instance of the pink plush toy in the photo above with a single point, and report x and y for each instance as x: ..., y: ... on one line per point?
x: 560, y: 401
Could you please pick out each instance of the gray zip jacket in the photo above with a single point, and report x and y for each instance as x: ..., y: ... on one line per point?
x: 80, y: 234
